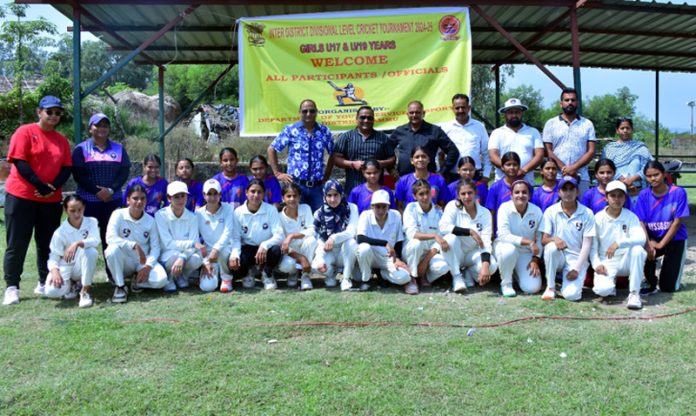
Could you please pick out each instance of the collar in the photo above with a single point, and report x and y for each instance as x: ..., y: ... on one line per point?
x: 577, y: 119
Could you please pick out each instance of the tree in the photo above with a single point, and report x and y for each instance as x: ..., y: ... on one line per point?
x: 186, y: 82
x: 532, y: 98
x: 483, y: 89
x: 605, y: 109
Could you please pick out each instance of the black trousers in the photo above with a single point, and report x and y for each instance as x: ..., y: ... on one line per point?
x: 247, y: 259
x: 23, y: 216
x: 672, y: 263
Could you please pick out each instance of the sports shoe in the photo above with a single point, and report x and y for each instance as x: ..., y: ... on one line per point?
x: 411, y: 287
x: 458, y: 284
x: 292, y: 280
x: 549, y: 294
x: 182, y: 282
x: 74, y: 291
x: 346, y: 284
x: 40, y: 289
x: 170, y: 287
x: 269, y: 283
x: 330, y: 281
x: 85, y: 300
x: 226, y: 286
x: 364, y: 287
x: 469, y: 279
x: 134, y: 286
x: 306, y: 283
x: 650, y: 290
x: 508, y: 290
x: 248, y: 282
x: 634, y: 301
x: 120, y: 295
x: 11, y: 296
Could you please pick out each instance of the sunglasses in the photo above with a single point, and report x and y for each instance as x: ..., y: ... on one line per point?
x: 368, y: 118
x: 309, y: 111
x: 57, y: 113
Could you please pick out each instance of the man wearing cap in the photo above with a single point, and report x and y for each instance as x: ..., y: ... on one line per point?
x: 419, y: 133
x: 380, y: 237
x: 306, y: 141
x: 570, y: 139
x: 41, y: 163
x: 181, y: 251
x: 100, y: 168
x: 618, y: 247
x: 567, y: 232
x: 470, y: 137
x: 356, y: 146
x: 515, y: 136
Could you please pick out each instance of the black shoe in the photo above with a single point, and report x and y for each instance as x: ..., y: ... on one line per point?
x: 647, y: 291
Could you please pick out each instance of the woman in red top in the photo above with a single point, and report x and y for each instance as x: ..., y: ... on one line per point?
x: 41, y: 163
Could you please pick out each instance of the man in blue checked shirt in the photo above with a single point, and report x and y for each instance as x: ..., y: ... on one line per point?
x: 306, y: 141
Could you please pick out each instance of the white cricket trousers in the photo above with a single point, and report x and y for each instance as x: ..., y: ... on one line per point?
x: 457, y: 259
x: 414, y: 251
x: 306, y: 247
x: 368, y: 258
x: 193, y: 262
x: 342, y: 255
x: 557, y: 261
x: 513, y: 261
x: 80, y: 269
x: 124, y: 262
x: 631, y: 261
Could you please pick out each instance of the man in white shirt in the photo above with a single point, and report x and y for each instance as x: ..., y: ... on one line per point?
x: 618, y: 247
x: 515, y: 136
x: 470, y: 137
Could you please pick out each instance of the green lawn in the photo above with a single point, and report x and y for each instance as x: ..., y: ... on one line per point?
x: 210, y: 354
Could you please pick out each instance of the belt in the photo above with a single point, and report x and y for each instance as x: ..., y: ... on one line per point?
x: 308, y: 184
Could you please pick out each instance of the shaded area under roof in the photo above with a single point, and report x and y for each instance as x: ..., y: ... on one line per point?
x: 612, y: 33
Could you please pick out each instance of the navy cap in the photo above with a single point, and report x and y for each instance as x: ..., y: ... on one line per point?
x: 96, y: 118
x: 568, y: 179
x: 50, y: 101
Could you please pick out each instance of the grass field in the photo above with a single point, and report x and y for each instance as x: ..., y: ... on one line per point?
x: 246, y: 353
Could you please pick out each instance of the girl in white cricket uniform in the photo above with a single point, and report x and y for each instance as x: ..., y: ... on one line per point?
x: 518, y: 246
x: 468, y: 229
x: 133, y: 246
x: 335, y: 224
x: 567, y: 232
x: 425, y: 245
x: 299, y: 244
x: 618, y: 246
x: 215, y: 222
x: 179, y: 241
x: 73, y: 256
x: 256, y: 237
x: 380, y: 236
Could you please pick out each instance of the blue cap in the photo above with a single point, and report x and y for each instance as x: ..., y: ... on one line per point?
x: 50, y: 101
x: 96, y: 118
x: 568, y: 179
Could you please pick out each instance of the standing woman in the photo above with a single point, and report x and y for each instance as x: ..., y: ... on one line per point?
x: 258, y: 166
x: 100, y: 168
x: 438, y: 186
x: 661, y: 209
x: 629, y: 156
x: 361, y: 195
x: 41, y: 164
x: 184, y: 173
x: 232, y: 182
x: 155, y: 186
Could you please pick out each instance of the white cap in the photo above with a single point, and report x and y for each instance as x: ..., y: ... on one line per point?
x: 177, y: 187
x: 513, y: 103
x: 211, y: 184
x: 380, y: 197
x: 614, y: 185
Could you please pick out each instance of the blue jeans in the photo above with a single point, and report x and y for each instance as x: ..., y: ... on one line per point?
x: 313, y: 197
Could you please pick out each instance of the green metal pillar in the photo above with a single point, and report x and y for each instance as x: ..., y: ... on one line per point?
x: 578, y: 87
x: 657, y: 114
x: 161, y: 117
x: 77, y: 99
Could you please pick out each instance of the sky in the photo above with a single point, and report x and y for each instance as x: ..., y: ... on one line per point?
x: 676, y: 89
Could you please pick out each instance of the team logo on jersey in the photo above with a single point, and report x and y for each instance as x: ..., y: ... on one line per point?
x: 624, y: 228
x: 302, y: 223
x: 113, y: 155
x: 146, y: 234
x: 245, y: 229
x: 578, y: 225
x: 532, y: 223
x: 221, y: 220
x: 126, y: 232
x: 479, y: 226
x: 85, y: 233
x: 265, y: 226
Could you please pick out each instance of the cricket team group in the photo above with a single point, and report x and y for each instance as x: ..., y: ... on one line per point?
x: 426, y: 202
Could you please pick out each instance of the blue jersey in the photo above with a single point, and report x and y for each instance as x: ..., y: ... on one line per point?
x: 438, y: 189
x: 362, y: 197
x: 156, y: 194
x: 195, y: 196
x: 596, y: 200
x: 481, y: 192
x: 500, y: 192
x: 543, y: 198
x: 233, y: 190
x: 658, y: 213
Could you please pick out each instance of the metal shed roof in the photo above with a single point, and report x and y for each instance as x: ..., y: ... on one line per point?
x: 612, y: 33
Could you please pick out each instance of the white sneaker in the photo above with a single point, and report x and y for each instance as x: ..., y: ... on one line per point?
x: 85, y: 300
x: 226, y: 286
x: 74, y: 291
x: 120, y: 295
x: 306, y: 283
x: 634, y: 301
x: 40, y: 289
x: 292, y: 280
x: 549, y: 294
x: 508, y: 290
x: 269, y: 283
x: 458, y: 284
x: 11, y: 296
x: 248, y: 282
x: 330, y: 281
x: 346, y: 284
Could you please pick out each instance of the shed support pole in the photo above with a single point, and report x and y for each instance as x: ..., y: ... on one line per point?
x: 76, y: 64
x: 657, y: 114
x: 497, y: 96
x: 575, y: 41
x: 160, y: 82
